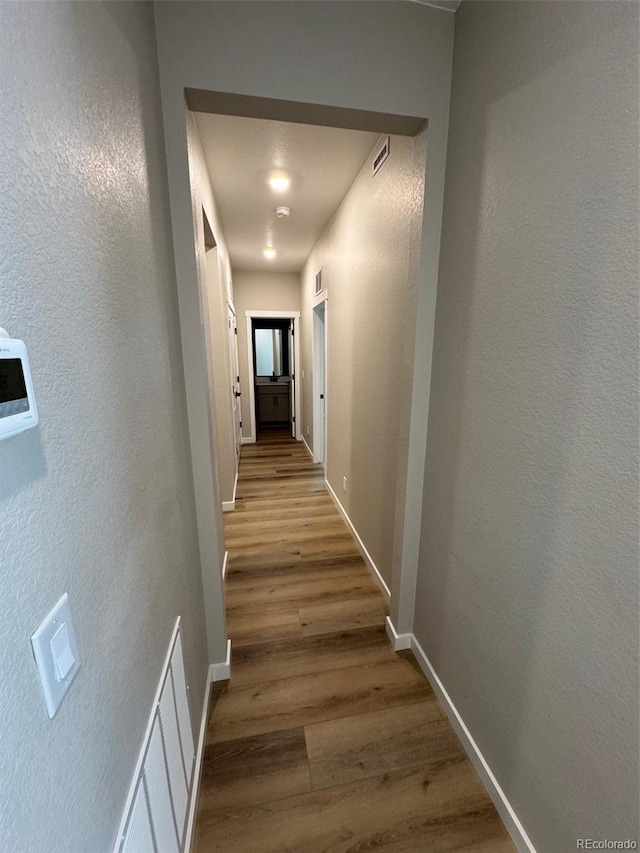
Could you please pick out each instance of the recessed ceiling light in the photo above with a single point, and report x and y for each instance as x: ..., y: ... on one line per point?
x: 279, y: 183
x: 269, y: 253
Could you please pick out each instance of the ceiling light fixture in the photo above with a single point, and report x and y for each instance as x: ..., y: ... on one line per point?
x: 269, y: 253
x: 279, y: 183
x: 283, y: 212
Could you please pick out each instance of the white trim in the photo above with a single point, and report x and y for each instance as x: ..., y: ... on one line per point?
x: 224, y: 564
x: 252, y: 379
x: 319, y: 297
x: 319, y: 413
x: 222, y: 671
x: 235, y: 388
x: 277, y: 315
x: 197, y: 770
x: 398, y: 641
x: 500, y: 801
x: 228, y: 506
x: 217, y: 672
x: 296, y: 383
x: 367, y: 556
x: 309, y: 450
x: 146, y: 738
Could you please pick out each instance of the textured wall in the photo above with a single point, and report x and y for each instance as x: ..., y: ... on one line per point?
x: 259, y: 291
x: 527, y: 599
x: 369, y: 257
x: 97, y: 501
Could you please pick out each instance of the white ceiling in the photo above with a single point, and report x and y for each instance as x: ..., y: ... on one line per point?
x: 242, y: 152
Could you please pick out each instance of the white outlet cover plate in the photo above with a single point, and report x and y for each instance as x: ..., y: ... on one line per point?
x: 53, y: 659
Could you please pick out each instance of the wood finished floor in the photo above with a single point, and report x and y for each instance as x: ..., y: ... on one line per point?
x: 324, y: 740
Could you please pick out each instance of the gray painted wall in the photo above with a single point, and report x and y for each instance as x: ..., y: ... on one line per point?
x: 98, y: 501
x: 527, y: 596
x: 259, y: 291
x: 369, y: 257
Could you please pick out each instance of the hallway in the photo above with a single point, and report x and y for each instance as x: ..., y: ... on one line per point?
x: 324, y: 739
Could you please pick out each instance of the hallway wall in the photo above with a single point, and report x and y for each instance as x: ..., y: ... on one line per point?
x: 259, y: 291
x: 214, y: 270
x: 298, y: 52
x: 369, y: 257
x: 226, y: 462
x: 98, y: 500
x: 527, y: 598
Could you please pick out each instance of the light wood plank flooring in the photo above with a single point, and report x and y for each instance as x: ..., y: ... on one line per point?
x: 324, y: 739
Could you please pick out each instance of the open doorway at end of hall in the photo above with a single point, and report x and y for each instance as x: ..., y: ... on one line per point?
x: 273, y: 359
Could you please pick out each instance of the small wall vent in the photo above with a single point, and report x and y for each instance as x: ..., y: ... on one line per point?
x: 319, y: 282
x: 381, y: 154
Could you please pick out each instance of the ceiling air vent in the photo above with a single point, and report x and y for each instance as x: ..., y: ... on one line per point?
x: 319, y: 282
x: 381, y: 154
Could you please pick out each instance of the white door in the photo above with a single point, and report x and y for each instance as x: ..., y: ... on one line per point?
x: 319, y: 381
x: 235, y: 382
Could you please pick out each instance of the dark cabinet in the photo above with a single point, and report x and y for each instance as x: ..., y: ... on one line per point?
x: 273, y: 404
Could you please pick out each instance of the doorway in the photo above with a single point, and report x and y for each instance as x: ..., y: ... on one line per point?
x: 219, y: 329
x: 235, y: 383
x: 272, y: 372
x: 319, y: 379
x: 273, y: 353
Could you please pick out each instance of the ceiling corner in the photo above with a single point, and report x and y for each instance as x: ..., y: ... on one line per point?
x: 445, y: 5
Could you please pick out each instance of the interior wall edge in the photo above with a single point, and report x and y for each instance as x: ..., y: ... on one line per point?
x: 208, y: 504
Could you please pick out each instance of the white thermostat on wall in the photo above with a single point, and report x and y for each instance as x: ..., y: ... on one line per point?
x: 18, y: 409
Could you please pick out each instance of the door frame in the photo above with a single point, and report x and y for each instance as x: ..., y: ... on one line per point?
x: 319, y: 428
x: 236, y: 389
x: 277, y: 315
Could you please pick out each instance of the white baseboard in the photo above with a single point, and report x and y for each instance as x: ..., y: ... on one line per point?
x: 217, y: 672
x: 384, y: 589
x: 222, y: 671
x: 304, y: 441
x: 197, y: 770
x: 224, y: 564
x: 503, y: 807
x: 229, y: 506
x: 398, y: 641
x: 247, y: 440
